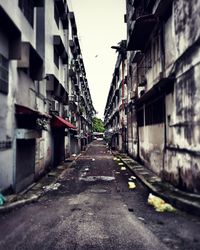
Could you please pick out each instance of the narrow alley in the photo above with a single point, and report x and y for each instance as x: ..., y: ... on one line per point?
x: 93, y: 208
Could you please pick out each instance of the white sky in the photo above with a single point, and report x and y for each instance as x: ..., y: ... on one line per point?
x: 100, y: 24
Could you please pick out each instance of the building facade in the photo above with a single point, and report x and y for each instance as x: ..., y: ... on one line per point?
x: 40, y: 120
x: 163, y: 60
x: 115, y: 115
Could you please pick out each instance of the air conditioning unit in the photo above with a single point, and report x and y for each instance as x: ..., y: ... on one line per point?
x: 54, y: 106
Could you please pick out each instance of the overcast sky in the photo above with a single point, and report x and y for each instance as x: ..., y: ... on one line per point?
x: 100, y: 25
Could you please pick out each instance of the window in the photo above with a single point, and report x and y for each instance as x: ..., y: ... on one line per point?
x: 3, y: 74
x: 154, y: 113
x: 27, y: 7
x: 140, y: 117
x: 56, y: 15
x: 56, y: 58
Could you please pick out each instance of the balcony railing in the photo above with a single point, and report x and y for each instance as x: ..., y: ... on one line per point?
x: 140, y: 32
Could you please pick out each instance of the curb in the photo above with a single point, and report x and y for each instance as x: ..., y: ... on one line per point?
x: 188, y: 204
x: 35, y: 197
x: 19, y: 203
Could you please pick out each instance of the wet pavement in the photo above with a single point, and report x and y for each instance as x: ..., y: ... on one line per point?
x: 90, y: 206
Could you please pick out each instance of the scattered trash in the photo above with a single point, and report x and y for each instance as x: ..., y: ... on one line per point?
x: 61, y: 167
x: 116, y: 159
x: 117, y: 172
x: 2, y: 199
x: 53, y: 186
x: 133, y: 177
x: 73, y: 155
x: 86, y: 169
x: 159, y: 204
x: 93, y: 159
x: 121, y: 164
x: 123, y: 168
x: 141, y: 218
x: 131, y: 185
x: 52, y: 174
x: 96, y: 178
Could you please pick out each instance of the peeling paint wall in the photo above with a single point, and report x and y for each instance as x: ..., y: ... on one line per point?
x: 182, y: 158
x: 6, y: 123
x: 171, y: 148
x: 151, y: 146
x: 186, y: 21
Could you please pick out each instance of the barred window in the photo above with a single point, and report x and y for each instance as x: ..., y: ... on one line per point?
x: 3, y: 74
x: 154, y: 113
x: 140, y: 117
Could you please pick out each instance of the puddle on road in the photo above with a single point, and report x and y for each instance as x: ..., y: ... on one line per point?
x: 96, y: 178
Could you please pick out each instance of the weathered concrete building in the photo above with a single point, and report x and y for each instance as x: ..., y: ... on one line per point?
x: 163, y: 58
x: 35, y: 126
x: 80, y: 102
x: 115, y: 111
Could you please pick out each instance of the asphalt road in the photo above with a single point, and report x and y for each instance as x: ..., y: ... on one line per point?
x: 94, y: 209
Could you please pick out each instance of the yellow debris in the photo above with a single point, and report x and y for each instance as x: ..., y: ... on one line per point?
x: 131, y: 185
x: 123, y: 168
x: 121, y: 164
x: 115, y: 158
x: 159, y: 204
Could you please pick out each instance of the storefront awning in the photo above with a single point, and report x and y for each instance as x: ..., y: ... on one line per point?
x: 24, y: 110
x: 59, y: 122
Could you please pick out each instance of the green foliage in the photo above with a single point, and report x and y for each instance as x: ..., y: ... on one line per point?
x: 98, y: 125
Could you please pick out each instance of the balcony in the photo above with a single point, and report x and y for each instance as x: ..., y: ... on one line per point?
x: 163, y: 86
x: 161, y: 6
x: 140, y: 32
x: 136, y: 57
x: 31, y: 61
x: 60, y: 6
x: 9, y: 28
x: 57, y: 89
x: 77, y: 45
x: 38, y: 3
x: 59, y: 46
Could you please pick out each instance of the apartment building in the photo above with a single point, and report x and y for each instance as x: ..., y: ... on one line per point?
x: 163, y: 87
x: 36, y: 129
x: 115, y: 115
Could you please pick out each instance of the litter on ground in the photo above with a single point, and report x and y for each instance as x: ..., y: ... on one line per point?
x: 2, y: 199
x: 131, y: 185
x: 121, y: 164
x: 159, y: 204
x: 123, y: 168
x: 53, y: 186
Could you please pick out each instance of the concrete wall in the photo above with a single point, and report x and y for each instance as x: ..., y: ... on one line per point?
x: 7, y: 122
x: 151, y: 145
